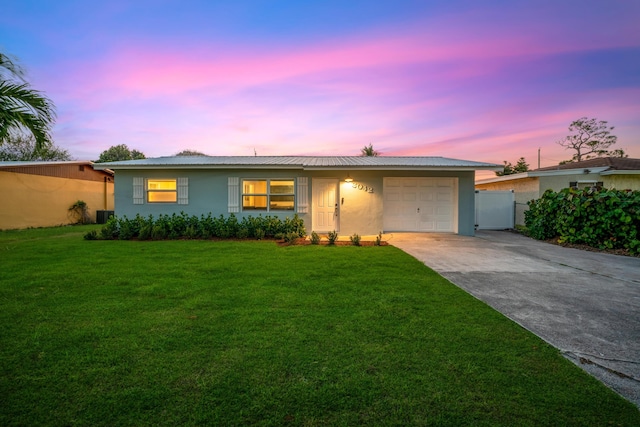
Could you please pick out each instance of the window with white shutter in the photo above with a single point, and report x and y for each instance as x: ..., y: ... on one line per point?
x: 183, y: 191
x: 138, y: 190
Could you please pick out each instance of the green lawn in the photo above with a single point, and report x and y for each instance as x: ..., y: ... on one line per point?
x: 249, y: 333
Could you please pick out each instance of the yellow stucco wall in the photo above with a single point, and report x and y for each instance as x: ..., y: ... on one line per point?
x: 619, y: 182
x: 622, y: 182
x: 43, y: 201
x: 524, y: 189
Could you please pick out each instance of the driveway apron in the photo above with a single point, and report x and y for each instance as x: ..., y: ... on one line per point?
x: 586, y: 304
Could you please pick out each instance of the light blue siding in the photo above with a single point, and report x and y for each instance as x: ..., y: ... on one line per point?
x: 208, y: 192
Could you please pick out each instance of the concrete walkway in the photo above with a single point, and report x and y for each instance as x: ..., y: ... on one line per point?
x: 586, y: 304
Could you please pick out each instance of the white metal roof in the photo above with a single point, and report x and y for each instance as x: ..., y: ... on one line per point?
x: 299, y: 162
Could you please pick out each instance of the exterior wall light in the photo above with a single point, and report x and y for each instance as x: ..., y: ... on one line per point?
x: 348, y: 178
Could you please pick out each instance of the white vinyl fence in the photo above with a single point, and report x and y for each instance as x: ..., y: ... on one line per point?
x: 495, y: 210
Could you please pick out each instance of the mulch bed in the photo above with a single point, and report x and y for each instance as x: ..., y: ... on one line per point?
x: 554, y: 241
x: 623, y: 252
x: 305, y: 242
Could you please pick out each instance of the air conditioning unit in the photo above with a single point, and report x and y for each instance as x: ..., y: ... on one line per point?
x: 103, y: 216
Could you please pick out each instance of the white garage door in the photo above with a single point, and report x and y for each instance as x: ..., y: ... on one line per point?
x: 420, y: 204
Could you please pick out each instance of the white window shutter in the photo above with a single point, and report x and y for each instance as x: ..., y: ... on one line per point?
x: 302, y: 194
x: 138, y: 190
x: 183, y: 191
x: 234, y: 194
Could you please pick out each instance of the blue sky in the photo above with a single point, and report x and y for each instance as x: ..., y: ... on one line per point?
x: 486, y: 81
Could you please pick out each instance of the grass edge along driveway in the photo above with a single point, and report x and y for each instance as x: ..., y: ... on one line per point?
x: 249, y: 333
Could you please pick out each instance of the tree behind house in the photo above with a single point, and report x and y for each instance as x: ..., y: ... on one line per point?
x: 520, y: 167
x: 189, y: 153
x: 24, y: 148
x: 119, y: 152
x: 590, y: 138
x: 369, y: 151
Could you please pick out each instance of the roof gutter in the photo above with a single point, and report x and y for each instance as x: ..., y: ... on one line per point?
x: 621, y: 172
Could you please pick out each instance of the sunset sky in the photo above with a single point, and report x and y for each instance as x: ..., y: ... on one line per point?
x: 487, y: 81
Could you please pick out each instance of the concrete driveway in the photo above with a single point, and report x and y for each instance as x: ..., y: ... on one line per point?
x: 586, y: 304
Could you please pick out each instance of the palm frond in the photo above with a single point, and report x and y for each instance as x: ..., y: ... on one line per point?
x: 23, y: 107
x: 11, y: 66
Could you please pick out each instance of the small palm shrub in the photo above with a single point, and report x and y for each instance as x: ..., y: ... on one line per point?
x: 91, y: 235
x: 80, y: 211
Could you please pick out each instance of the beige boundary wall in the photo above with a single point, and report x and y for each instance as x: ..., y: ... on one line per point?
x: 44, y: 201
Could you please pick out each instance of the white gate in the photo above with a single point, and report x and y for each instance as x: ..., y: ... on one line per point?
x: 495, y: 210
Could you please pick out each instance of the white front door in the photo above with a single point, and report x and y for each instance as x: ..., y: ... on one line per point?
x: 325, y: 205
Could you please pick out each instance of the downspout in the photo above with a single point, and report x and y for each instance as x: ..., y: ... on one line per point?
x: 105, y: 193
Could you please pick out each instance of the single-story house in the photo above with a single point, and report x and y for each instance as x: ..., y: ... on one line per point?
x: 39, y: 194
x: 363, y: 195
x: 608, y: 172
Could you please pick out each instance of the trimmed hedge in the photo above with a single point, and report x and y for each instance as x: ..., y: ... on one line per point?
x: 185, y: 226
x: 601, y: 218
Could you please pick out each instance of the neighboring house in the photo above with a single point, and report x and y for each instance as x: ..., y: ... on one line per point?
x: 363, y: 195
x: 608, y: 172
x: 39, y: 194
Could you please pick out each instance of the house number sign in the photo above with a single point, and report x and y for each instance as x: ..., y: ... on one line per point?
x: 362, y: 187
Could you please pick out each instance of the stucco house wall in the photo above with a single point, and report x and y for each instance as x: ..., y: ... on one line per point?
x: 622, y: 182
x: 524, y: 189
x: 557, y: 183
x: 44, y: 201
x: 360, y: 211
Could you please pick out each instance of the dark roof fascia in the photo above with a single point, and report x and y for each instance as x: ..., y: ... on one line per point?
x: 9, y: 163
x: 613, y: 163
x: 32, y: 165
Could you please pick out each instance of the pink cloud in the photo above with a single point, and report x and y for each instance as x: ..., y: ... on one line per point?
x: 146, y: 70
x: 428, y: 89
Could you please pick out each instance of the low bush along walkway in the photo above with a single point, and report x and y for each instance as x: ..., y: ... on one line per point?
x: 197, y: 332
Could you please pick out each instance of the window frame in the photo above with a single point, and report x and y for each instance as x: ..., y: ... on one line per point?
x: 148, y: 191
x: 585, y: 184
x: 268, y: 194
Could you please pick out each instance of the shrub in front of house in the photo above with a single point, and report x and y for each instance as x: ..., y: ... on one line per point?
x: 601, y: 218
x: 183, y: 226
